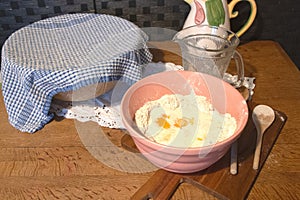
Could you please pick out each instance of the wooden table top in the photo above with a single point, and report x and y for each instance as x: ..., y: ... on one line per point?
x: 53, y: 163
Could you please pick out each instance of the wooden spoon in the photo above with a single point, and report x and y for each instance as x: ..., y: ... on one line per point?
x: 263, y: 116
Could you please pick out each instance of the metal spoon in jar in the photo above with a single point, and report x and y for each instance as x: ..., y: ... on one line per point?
x: 263, y: 116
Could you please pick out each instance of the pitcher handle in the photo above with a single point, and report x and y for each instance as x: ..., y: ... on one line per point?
x: 240, y: 69
x: 251, y: 18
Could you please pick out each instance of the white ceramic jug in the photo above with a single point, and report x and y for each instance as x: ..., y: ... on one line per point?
x: 217, y: 13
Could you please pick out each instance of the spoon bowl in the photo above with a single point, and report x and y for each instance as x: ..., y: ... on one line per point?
x: 262, y: 116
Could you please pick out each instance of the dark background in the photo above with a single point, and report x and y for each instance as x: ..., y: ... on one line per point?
x: 276, y: 20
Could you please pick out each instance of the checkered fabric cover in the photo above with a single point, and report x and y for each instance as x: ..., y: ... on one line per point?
x: 64, y: 53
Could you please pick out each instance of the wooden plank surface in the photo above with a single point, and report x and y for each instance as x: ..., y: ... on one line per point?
x: 53, y: 163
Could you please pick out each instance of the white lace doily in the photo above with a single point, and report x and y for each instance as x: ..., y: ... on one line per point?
x: 101, y: 109
x: 248, y: 82
x: 106, y: 112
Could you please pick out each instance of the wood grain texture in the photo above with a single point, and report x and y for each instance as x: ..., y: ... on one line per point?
x: 277, y: 84
x: 53, y: 163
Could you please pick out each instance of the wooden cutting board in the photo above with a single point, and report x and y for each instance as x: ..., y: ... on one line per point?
x: 216, y: 180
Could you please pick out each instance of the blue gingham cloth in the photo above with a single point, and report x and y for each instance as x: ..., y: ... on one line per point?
x: 65, y: 53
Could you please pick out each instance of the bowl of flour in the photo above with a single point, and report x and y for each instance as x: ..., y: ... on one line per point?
x: 183, y: 121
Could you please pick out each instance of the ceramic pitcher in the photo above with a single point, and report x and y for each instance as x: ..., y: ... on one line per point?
x: 217, y: 13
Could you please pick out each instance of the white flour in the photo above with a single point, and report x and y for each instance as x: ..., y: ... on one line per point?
x: 184, y: 121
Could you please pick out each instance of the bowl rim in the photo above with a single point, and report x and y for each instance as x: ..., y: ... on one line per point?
x: 136, y: 133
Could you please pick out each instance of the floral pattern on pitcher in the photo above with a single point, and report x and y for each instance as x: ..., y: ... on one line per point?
x: 214, y: 10
x: 217, y: 13
x: 209, y: 12
x: 200, y: 14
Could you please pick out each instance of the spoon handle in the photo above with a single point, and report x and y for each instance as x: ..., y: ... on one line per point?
x: 257, y: 150
x: 233, y: 159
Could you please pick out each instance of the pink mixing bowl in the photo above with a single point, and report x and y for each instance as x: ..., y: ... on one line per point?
x: 223, y: 97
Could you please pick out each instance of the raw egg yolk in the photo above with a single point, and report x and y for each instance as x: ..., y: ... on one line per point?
x: 162, y: 122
